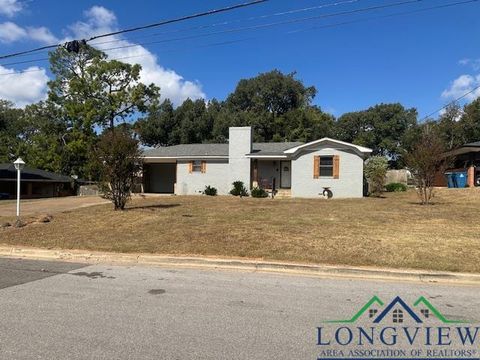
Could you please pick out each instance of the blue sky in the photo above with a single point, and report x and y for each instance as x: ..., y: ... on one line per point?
x: 422, y: 59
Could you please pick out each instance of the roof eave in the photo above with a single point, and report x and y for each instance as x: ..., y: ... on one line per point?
x: 361, y: 149
x: 184, y: 157
x: 270, y: 156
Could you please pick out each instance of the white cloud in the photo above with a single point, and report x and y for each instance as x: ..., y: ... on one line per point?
x: 42, y: 34
x: 10, y: 7
x: 473, y: 63
x: 461, y: 86
x: 23, y: 87
x: 99, y: 20
x: 11, y: 32
x: 173, y: 86
x: 31, y: 86
x: 100, y: 16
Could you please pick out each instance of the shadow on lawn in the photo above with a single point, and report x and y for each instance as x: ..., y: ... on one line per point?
x: 152, y: 207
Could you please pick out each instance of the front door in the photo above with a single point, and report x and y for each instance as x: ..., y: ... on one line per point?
x: 285, y: 175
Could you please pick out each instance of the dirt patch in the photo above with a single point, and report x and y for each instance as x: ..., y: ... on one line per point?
x: 49, y: 206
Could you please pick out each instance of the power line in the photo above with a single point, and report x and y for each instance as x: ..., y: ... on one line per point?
x: 288, y: 12
x: 161, y: 23
x: 268, y: 25
x: 238, y: 29
x: 171, y: 21
x: 13, y: 72
x: 451, y: 103
x: 260, y: 26
x: 436, y: 7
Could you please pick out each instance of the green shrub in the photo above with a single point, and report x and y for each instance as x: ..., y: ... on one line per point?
x: 239, y: 189
x: 210, y: 191
x: 375, y: 171
x: 259, y: 193
x: 396, y: 187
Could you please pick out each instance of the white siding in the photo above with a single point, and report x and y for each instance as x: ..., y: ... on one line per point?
x: 349, y: 184
x: 194, y: 183
x: 239, y: 144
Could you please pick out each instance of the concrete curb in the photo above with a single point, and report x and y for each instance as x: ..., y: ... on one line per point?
x: 242, y: 265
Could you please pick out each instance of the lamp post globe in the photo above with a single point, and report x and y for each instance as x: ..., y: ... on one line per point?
x: 19, y: 164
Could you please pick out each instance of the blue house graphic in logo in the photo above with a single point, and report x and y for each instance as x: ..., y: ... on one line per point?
x: 398, y: 308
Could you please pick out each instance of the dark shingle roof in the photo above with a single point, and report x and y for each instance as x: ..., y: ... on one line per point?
x: 189, y: 150
x: 217, y: 149
x: 274, y: 148
x: 8, y: 172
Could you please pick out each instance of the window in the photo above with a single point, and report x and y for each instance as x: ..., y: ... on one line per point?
x: 326, y: 166
x: 372, y: 313
x: 397, y: 316
x: 425, y: 313
x: 196, y: 166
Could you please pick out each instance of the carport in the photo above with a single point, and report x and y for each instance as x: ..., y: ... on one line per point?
x: 160, y: 177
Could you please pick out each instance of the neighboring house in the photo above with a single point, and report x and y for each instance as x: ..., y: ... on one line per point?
x: 295, y: 169
x: 466, y: 159
x: 35, y: 183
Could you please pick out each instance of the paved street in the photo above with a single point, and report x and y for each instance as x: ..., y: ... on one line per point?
x: 54, y: 310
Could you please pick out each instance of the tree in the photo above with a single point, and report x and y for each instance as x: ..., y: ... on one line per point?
x: 470, y: 121
x: 375, y: 172
x: 425, y: 161
x: 119, y: 163
x: 10, y: 127
x: 380, y: 128
x: 192, y: 125
x: 89, y: 91
x: 304, y: 125
x: 268, y: 96
x: 157, y: 127
x: 278, y: 106
x: 92, y: 90
x: 43, y: 139
x: 450, y: 128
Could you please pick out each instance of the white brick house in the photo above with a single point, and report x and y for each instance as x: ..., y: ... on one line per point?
x: 296, y: 169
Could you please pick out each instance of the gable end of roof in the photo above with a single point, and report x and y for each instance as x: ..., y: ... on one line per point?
x: 358, y: 148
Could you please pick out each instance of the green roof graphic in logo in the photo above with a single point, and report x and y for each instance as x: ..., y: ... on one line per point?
x: 425, y: 313
x: 438, y: 314
x: 373, y: 300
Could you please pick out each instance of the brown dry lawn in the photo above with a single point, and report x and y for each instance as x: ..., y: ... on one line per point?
x: 392, y: 232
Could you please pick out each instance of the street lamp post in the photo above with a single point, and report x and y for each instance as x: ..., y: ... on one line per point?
x: 19, y: 165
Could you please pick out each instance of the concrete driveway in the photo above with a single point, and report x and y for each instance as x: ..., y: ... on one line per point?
x: 50, y: 205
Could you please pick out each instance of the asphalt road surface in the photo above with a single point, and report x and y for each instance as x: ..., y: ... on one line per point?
x: 55, y: 310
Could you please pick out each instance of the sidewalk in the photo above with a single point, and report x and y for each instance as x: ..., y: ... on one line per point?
x: 328, y: 271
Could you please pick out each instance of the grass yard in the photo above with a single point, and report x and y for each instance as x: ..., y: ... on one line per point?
x: 393, y: 231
